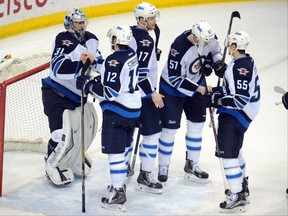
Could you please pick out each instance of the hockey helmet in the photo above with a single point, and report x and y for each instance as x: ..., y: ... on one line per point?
x: 75, y: 16
x: 204, y: 34
x: 146, y: 10
x: 240, y: 38
x: 123, y: 35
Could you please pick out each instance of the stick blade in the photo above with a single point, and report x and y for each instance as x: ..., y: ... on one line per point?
x: 279, y: 89
x: 236, y: 14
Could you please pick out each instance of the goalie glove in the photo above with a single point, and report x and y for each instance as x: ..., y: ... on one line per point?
x: 84, y: 82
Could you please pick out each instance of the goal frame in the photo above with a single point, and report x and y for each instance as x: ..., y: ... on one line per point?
x: 3, y: 88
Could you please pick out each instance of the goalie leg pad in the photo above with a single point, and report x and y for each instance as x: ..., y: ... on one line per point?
x: 74, y: 156
x: 59, y: 175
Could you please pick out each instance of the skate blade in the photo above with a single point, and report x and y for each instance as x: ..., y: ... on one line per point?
x: 144, y: 188
x: 238, y: 209
x: 195, y: 179
x: 114, y: 207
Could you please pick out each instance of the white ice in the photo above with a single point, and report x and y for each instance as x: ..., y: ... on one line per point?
x: 26, y: 191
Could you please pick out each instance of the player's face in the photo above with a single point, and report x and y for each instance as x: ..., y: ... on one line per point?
x: 151, y: 22
x: 79, y: 25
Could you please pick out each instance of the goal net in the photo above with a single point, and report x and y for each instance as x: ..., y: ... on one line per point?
x: 23, y: 125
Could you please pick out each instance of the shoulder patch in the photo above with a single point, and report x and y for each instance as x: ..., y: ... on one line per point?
x: 243, y: 71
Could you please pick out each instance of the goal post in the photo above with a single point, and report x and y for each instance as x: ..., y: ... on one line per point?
x: 23, y: 125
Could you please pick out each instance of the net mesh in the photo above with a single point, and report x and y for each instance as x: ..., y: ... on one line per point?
x: 26, y: 126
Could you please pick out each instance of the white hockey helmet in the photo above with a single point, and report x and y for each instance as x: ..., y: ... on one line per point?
x: 204, y: 34
x: 75, y: 15
x: 146, y: 10
x: 123, y: 35
x: 240, y: 38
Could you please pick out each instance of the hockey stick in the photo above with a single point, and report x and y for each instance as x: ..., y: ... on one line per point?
x: 132, y: 166
x: 234, y: 14
x: 279, y: 90
x: 157, y: 34
x: 211, y: 112
x: 84, y: 69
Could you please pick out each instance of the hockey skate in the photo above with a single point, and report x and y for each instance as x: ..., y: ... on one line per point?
x: 58, y: 175
x: 194, y: 173
x: 234, y: 203
x: 163, y: 173
x: 146, y: 183
x: 115, y: 200
x: 245, y: 190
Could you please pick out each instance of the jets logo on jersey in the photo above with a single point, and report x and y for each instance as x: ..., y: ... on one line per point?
x: 113, y: 63
x: 145, y: 43
x: 174, y: 52
x: 67, y: 42
x: 243, y: 71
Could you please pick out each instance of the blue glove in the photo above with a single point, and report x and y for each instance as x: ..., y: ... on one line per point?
x: 84, y: 82
x: 207, y: 65
x: 219, y: 68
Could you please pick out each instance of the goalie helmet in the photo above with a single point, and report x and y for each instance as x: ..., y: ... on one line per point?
x: 240, y: 38
x: 204, y: 34
x: 146, y: 10
x: 122, y: 34
x: 75, y: 16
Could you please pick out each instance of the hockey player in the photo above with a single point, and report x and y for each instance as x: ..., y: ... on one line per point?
x: 238, y: 103
x: 182, y: 84
x: 120, y: 100
x: 150, y: 124
x: 62, y: 100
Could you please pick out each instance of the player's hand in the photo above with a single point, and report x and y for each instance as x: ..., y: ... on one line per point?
x: 85, y: 55
x: 84, y: 82
x: 158, y: 99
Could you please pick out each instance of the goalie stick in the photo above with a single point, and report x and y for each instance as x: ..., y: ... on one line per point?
x: 84, y: 69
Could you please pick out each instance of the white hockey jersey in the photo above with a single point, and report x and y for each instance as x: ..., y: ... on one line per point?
x: 241, y: 90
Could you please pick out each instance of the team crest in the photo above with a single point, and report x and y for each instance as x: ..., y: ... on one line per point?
x: 145, y: 43
x: 67, y: 43
x: 174, y: 52
x: 113, y: 63
x: 243, y: 71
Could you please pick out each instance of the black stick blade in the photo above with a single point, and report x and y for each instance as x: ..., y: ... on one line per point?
x: 235, y: 14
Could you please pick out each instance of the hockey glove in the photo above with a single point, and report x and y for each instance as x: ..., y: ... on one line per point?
x: 211, y: 100
x: 84, y: 82
x: 219, y: 68
x: 158, y: 54
x: 285, y: 100
x: 207, y: 67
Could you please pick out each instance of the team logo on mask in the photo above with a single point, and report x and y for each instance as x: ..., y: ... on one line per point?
x: 67, y: 43
x: 243, y: 71
x: 113, y: 63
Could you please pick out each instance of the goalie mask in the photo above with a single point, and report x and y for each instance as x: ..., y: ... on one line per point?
x: 146, y: 10
x: 119, y: 35
x: 240, y: 38
x: 203, y: 33
x: 76, y: 22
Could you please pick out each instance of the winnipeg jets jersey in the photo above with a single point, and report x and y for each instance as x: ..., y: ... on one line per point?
x: 242, y: 90
x: 144, y: 46
x: 118, y: 89
x: 181, y: 74
x: 65, y: 64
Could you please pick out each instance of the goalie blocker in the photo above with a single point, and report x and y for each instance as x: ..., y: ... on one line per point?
x: 65, y: 160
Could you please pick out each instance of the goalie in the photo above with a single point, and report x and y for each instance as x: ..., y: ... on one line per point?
x: 62, y: 100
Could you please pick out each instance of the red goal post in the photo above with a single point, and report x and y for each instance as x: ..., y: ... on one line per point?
x: 23, y: 125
